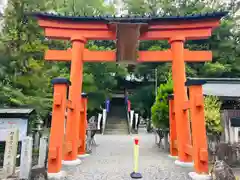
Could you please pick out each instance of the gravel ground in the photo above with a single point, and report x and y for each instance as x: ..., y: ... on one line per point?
x: 112, y: 159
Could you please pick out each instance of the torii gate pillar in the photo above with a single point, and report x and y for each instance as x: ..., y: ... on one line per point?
x: 73, y: 116
x: 180, y: 96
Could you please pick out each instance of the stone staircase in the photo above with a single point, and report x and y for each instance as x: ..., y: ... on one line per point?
x: 116, y: 120
x: 116, y: 126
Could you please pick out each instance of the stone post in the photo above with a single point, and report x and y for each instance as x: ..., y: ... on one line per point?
x: 104, y: 119
x: 26, y: 158
x: 42, y: 152
x: 99, y: 121
x: 10, y: 153
x: 131, y: 118
x: 136, y: 121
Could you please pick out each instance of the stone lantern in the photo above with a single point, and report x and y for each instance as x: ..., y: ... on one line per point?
x: 37, y: 132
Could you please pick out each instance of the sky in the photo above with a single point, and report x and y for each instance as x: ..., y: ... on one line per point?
x: 3, y: 3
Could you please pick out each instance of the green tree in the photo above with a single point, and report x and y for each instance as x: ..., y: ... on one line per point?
x: 142, y: 99
x: 26, y: 80
x: 82, y: 7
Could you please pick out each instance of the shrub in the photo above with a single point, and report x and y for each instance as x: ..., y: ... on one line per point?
x: 212, y: 106
x: 160, y: 109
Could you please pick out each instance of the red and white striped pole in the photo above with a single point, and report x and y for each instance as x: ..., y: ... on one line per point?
x: 135, y: 174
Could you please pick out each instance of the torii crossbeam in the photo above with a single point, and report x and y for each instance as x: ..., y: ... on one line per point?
x: 128, y: 31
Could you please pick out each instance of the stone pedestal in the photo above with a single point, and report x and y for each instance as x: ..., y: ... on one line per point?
x: 173, y: 157
x: 195, y: 176
x: 54, y: 176
x: 184, y: 164
x: 72, y: 163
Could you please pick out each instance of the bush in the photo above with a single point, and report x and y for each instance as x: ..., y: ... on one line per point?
x: 160, y: 109
x: 212, y: 106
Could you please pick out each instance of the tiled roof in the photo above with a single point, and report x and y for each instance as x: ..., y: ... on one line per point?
x: 221, y: 87
x: 16, y: 111
x: 133, y: 19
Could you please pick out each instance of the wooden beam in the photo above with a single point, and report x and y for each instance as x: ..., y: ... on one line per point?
x: 99, y: 56
x: 189, y: 34
x: 66, y: 34
x: 58, y: 55
x: 166, y: 56
x: 197, y: 56
x: 185, y: 25
x: 88, y: 56
x: 154, y: 56
x: 70, y: 25
x: 144, y: 56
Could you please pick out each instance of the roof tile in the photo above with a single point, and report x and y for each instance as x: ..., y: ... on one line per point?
x: 133, y: 19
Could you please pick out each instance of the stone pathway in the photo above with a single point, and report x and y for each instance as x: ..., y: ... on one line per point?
x: 112, y: 159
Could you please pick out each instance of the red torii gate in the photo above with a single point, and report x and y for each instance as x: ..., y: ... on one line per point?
x: 81, y: 29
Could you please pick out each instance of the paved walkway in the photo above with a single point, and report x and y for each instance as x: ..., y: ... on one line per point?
x: 112, y: 159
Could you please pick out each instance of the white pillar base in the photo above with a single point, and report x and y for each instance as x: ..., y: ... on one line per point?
x: 72, y: 163
x: 59, y: 175
x: 173, y: 157
x: 195, y: 176
x: 83, y: 155
x: 184, y: 164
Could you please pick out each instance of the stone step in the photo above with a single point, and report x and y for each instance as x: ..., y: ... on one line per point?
x: 113, y: 122
x: 120, y: 130
x: 116, y: 119
x: 116, y: 132
x: 116, y: 125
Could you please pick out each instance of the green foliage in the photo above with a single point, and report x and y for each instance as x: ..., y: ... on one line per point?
x: 212, y: 106
x: 142, y: 99
x: 82, y: 7
x: 26, y: 80
x: 160, y: 109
